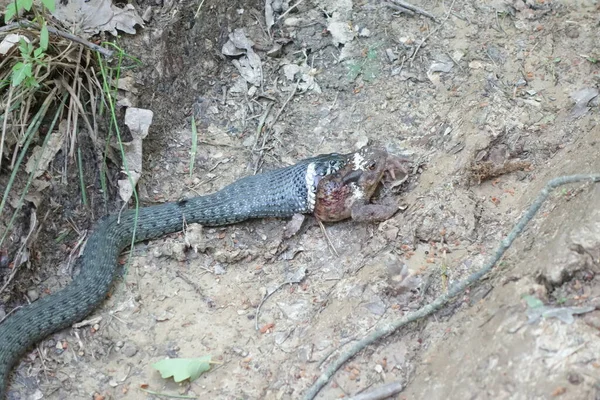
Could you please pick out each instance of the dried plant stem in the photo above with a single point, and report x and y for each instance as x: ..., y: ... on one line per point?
x: 28, y: 24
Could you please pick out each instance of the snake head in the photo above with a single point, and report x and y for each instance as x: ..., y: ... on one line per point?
x: 354, y: 184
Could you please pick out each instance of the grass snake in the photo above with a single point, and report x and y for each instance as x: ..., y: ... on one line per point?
x: 279, y: 193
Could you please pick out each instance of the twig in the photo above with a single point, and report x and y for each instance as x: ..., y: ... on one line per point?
x: 7, y: 113
x: 173, y: 396
x: 291, y: 281
x: 198, y: 10
x: 442, y: 300
x: 272, y: 123
x: 290, y: 9
x: 416, y: 9
x: 398, y: 8
x: 285, y: 103
x: 437, y: 28
x: 380, y: 393
x: 15, y: 25
x: 259, y: 128
x: 329, y: 242
x: 190, y: 282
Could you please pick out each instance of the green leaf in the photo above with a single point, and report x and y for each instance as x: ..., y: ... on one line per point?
x: 532, y: 301
x: 20, y: 72
x: 38, y: 52
x: 183, y: 368
x: 49, y: 4
x: 23, y: 45
x: 26, y: 4
x: 372, y: 54
x: 44, y: 38
x: 10, y: 12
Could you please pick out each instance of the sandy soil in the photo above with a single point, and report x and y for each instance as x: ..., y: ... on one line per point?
x: 484, y: 107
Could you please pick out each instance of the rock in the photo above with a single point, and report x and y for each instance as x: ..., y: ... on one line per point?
x: 129, y: 349
x: 33, y: 295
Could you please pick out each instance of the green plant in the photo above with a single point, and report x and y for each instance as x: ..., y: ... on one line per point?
x: 22, y: 71
x: 17, y: 6
x: 368, y: 67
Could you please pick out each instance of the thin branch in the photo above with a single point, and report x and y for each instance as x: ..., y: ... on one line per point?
x: 290, y: 9
x: 442, y: 300
x: 28, y: 24
x: 380, y: 393
x: 415, y: 9
x: 291, y: 281
x: 398, y: 8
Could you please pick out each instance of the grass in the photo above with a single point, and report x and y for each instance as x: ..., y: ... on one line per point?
x: 47, y: 78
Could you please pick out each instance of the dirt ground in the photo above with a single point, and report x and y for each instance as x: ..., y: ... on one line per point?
x: 484, y: 107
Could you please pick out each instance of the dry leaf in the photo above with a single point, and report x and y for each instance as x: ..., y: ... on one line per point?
x: 138, y: 120
x: 94, y: 16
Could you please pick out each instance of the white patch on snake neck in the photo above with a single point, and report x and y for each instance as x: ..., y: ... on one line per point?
x: 359, y: 161
x: 309, y: 179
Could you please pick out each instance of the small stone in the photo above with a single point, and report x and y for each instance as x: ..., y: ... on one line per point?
x: 147, y: 14
x: 392, y: 233
x: 378, y: 368
x: 33, y: 294
x: 129, y: 349
x: 593, y: 319
x: 240, y: 352
x: 362, y: 142
x: 292, y: 21
x: 457, y: 55
x: 364, y: 32
x: 572, y: 32
x: 391, y: 55
x: 574, y: 378
x: 219, y: 269
x: 119, y: 344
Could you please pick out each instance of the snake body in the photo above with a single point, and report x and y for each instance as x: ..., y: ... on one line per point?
x: 279, y: 193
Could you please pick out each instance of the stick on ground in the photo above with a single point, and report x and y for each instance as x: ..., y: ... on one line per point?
x: 28, y: 24
x: 415, y: 9
x: 442, y: 300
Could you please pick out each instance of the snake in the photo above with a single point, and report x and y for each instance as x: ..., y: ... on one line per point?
x: 327, y: 186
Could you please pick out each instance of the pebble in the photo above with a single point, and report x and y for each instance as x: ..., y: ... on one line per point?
x: 292, y: 21
x: 240, y: 352
x: 129, y: 349
x: 33, y: 294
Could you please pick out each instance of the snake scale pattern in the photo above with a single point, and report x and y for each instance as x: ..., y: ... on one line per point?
x: 279, y: 193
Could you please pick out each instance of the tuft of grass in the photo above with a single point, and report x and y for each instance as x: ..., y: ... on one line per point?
x: 110, y: 76
x: 44, y: 77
